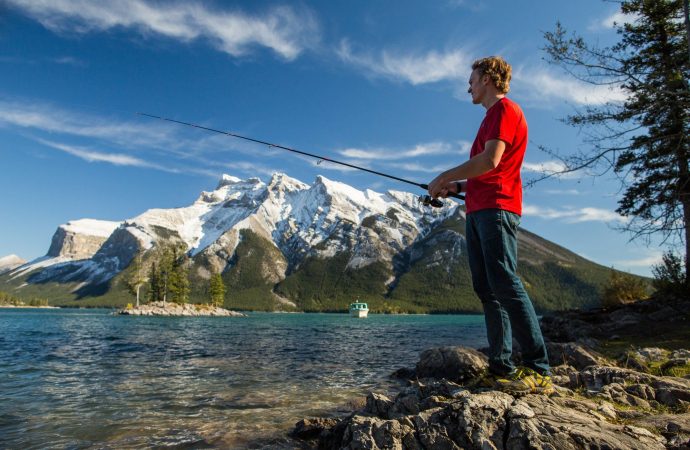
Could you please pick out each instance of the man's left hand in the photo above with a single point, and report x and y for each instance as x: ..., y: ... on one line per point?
x: 440, y: 187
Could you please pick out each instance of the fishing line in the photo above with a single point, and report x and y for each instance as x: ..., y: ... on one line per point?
x: 427, y: 200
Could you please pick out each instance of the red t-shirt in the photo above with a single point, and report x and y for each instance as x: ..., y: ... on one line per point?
x: 500, y: 188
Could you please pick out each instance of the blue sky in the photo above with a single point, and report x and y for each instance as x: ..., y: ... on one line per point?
x: 379, y: 84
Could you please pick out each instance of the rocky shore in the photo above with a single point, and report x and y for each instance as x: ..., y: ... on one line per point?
x: 638, y: 400
x: 173, y: 309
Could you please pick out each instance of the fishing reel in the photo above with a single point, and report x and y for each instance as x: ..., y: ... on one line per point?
x: 426, y: 200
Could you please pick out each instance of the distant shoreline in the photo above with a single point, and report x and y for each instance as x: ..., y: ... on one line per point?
x: 29, y: 307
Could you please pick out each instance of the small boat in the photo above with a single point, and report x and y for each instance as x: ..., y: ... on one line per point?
x: 358, y: 309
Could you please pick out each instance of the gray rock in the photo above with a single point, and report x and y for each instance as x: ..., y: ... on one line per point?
x: 557, y: 427
x: 378, y: 405
x: 364, y: 432
x: 574, y: 355
x: 643, y: 391
x: 682, y: 353
x: 311, y: 428
x: 453, y: 363
x: 651, y: 354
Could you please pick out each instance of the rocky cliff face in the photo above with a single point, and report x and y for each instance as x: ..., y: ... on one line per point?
x: 80, y: 239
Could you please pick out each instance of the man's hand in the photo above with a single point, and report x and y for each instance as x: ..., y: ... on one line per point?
x: 441, y: 188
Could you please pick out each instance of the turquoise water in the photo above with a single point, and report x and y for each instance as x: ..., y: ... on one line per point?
x: 89, y: 379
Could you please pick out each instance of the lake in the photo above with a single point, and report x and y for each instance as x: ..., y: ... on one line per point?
x: 80, y: 378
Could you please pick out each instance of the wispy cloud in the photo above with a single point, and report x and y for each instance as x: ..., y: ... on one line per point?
x: 44, y: 117
x: 69, y: 61
x: 183, y: 153
x: 562, y: 192
x: 424, y: 149
x: 541, y: 85
x: 423, y: 168
x: 614, y: 19
x: 252, y: 168
x: 647, y: 261
x: 420, y: 68
x: 283, y: 29
x: 574, y: 215
x: 550, y: 168
x: 118, y: 159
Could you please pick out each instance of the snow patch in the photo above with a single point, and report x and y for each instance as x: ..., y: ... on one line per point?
x: 91, y: 227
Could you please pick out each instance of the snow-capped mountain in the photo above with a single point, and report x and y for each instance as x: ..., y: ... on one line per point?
x: 10, y: 262
x: 308, y: 246
x: 294, y: 216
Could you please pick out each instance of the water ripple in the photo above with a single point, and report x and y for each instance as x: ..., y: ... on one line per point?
x: 89, y: 380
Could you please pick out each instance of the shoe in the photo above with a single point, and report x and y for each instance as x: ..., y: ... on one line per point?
x: 526, y: 381
x: 485, y: 380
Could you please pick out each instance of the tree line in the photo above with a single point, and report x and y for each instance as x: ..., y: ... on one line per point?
x: 9, y: 299
x: 166, y: 277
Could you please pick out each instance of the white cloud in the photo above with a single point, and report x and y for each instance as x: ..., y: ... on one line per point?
x: 252, y: 168
x: 543, y: 86
x: 616, y: 18
x: 429, y: 148
x: 69, y: 60
x: 282, y: 29
x: 415, y: 69
x: 574, y: 215
x: 117, y: 159
x: 419, y: 167
x: 562, y: 192
x: 647, y: 261
x: 47, y: 118
x: 550, y: 168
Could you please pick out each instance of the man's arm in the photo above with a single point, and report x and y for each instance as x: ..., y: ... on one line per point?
x: 480, y: 164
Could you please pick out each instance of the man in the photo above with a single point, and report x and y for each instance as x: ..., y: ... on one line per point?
x: 494, y: 205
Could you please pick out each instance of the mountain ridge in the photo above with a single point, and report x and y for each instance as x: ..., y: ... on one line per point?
x: 312, y: 245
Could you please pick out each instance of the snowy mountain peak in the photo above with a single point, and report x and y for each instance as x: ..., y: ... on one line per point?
x: 227, y: 180
x: 287, y: 182
x: 10, y: 262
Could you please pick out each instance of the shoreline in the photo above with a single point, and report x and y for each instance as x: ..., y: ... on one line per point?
x: 29, y: 307
x: 169, y: 309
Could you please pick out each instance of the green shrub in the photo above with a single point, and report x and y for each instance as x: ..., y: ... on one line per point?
x: 670, y: 277
x: 623, y: 288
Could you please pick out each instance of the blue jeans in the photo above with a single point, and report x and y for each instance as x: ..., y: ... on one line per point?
x: 492, y: 250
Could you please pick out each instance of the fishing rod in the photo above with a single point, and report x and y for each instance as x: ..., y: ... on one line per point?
x: 425, y: 199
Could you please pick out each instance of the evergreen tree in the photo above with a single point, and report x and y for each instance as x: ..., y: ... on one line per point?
x: 644, y: 139
x: 155, y: 292
x: 136, y: 277
x: 166, y: 272
x: 217, y: 290
x: 179, y: 279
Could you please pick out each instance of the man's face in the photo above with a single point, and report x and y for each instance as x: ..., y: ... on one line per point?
x: 477, y: 87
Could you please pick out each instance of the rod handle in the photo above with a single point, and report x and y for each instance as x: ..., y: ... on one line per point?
x: 458, y: 196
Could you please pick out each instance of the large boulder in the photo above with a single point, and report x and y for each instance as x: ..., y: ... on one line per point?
x: 573, y: 354
x: 458, y: 364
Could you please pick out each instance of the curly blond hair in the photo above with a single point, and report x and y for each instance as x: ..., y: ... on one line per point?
x: 498, y: 70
